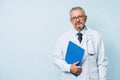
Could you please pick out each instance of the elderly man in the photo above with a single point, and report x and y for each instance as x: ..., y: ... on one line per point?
x: 94, y: 62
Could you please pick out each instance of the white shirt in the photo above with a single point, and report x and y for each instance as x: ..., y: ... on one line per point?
x: 94, y: 63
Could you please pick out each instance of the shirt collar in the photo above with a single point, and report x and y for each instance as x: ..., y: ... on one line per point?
x: 74, y: 31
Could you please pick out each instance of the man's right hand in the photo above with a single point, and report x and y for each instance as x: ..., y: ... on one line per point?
x: 75, y: 69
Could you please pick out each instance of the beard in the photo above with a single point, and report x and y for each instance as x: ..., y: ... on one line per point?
x: 79, y: 25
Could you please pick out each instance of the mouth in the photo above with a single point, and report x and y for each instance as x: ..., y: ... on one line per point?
x: 78, y: 23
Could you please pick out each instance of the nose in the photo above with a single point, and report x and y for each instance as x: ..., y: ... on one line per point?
x: 77, y: 19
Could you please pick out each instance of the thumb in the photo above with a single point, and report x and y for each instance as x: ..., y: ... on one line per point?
x: 76, y: 63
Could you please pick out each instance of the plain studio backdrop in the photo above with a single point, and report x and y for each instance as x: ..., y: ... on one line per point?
x: 29, y: 30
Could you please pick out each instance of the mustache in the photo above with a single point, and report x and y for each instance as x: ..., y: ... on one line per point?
x: 78, y: 23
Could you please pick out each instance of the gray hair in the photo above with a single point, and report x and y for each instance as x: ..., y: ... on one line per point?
x: 74, y: 8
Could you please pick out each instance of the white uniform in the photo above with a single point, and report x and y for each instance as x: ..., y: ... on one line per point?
x: 94, y: 63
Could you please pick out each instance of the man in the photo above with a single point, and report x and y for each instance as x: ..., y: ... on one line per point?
x: 94, y: 62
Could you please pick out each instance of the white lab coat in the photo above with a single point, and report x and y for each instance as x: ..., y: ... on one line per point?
x: 94, y: 63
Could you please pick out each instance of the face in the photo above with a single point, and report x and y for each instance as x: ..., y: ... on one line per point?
x: 78, y: 19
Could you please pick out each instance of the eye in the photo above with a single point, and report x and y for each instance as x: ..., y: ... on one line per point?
x: 73, y: 18
x: 80, y: 17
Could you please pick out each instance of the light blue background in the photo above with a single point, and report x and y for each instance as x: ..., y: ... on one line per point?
x: 29, y: 30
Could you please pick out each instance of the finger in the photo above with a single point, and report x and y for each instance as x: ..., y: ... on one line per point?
x: 78, y: 67
x: 76, y: 63
x: 78, y: 72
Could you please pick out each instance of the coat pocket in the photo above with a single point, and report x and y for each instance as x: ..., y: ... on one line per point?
x: 90, y: 47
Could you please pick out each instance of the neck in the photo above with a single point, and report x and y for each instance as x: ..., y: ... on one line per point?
x: 80, y: 29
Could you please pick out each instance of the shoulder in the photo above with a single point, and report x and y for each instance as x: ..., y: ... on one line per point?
x: 95, y: 35
x: 65, y: 35
x: 63, y: 39
x: 93, y: 32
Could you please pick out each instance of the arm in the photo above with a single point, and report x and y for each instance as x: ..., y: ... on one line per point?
x: 58, y: 57
x: 102, y: 60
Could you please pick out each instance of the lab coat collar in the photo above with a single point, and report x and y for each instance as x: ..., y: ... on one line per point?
x: 74, y: 31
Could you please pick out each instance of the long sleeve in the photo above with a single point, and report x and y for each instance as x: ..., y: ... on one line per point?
x: 58, y: 57
x: 94, y: 63
x: 102, y: 60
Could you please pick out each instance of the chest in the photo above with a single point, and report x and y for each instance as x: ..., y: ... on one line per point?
x: 88, y: 44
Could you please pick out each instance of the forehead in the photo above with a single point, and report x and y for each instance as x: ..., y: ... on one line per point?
x: 76, y: 12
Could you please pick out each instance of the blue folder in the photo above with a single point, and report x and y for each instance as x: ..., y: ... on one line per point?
x: 74, y: 54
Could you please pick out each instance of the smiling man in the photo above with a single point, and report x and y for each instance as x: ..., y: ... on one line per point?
x: 94, y: 62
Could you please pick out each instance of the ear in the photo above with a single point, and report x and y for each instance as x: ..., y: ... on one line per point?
x: 85, y: 18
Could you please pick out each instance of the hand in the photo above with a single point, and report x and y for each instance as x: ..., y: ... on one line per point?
x: 75, y: 69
